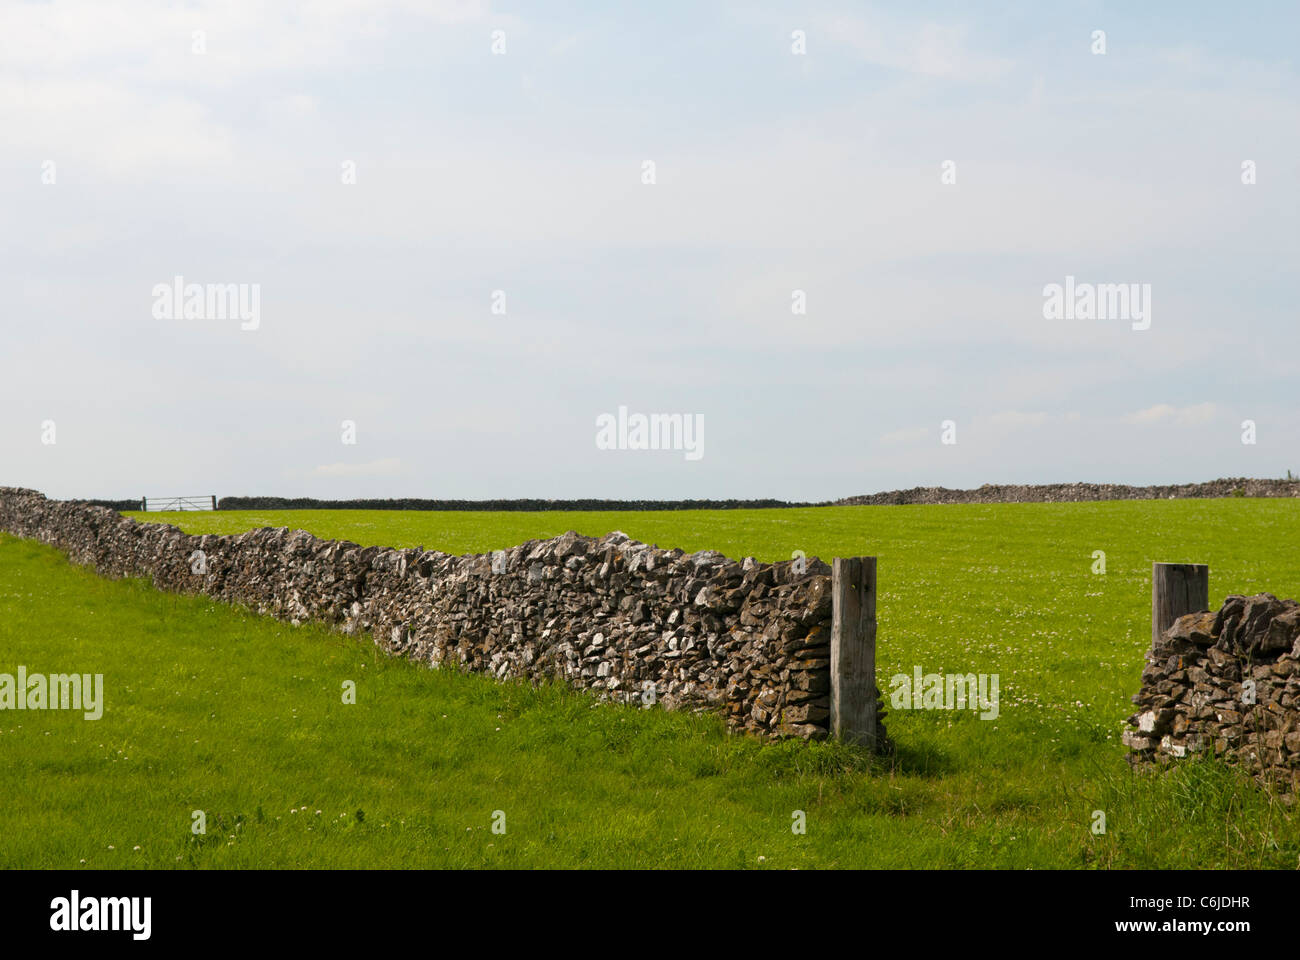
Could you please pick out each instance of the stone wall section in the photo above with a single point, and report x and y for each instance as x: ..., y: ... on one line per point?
x: 609, y: 614
x: 1225, y: 683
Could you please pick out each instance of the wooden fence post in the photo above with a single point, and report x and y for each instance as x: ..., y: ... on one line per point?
x: 1177, y: 589
x: 214, y: 501
x: 853, y: 651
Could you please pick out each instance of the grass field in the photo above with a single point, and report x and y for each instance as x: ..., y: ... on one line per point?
x: 210, y: 708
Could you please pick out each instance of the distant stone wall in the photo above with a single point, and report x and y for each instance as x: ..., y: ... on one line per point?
x: 1225, y: 683
x: 1081, y: 492
x: 749, y: 639
x: 989, y: 493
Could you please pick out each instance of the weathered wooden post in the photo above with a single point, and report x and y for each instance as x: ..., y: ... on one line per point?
x: 214, y: 501
x: 1177, y: 589
x: 853, y: 651
x: 144, y: 504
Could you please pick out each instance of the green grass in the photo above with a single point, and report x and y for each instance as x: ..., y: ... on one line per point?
x: 211, y: 708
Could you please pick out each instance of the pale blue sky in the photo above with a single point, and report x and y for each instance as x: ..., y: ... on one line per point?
x: 522, y: 172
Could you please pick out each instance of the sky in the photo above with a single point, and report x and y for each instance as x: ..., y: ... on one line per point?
x: 821, y: 233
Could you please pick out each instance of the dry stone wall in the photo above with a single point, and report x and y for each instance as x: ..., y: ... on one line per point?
x: 1227, y: 683
x: 749, y: 639
x: 1082, y: 492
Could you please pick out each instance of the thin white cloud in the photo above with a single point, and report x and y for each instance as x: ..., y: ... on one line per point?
x: 1017, y: 418
x: 930, y: 49
x: 908, y: 437
x: 1167, y: 413
x: 375, y: 468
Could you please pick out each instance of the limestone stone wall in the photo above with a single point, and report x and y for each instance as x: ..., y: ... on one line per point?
x: 610, y: 614
x: 1225, y: 682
